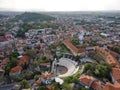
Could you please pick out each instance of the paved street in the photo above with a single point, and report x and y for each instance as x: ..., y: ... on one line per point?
x: 10, y: 86
x: 7, y: 87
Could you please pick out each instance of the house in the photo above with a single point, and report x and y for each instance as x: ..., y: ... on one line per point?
x: 15, y: 71
x: 46, y: 75
x: 110, y: 59
x: 24, y: 60
x: 116, y: 74
x: 6, y: 46
x: 109, y: 86
x: 9, y: 36
x: 46, y: 79
x: 92, y: 83
x: 4, y: 62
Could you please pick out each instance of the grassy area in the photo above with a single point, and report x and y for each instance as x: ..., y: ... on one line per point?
x: 70, y: 80
x: 62, y: 47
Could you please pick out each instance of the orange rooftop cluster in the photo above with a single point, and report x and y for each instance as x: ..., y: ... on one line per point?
x: 90, y: 81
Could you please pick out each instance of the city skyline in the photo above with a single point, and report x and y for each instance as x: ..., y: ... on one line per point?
x: 61, y: 5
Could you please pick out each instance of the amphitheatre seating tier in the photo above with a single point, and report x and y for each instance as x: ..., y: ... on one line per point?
x: 69, y: 64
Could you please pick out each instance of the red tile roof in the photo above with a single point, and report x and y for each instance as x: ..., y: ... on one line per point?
x: 116, y: 74
x: 109, y: 86
x: 87, y: 80
x: 114, y: 54
x: 72, y: 47
x: 5, y: 61
x: 15, y: 69
x: 46, y: 75
x: 23, y: 60
x: 110, y: 59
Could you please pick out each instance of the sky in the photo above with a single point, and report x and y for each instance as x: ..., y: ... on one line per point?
x: 59, y: 5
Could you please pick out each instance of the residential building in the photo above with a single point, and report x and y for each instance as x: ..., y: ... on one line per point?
x: 73, y: 49
x: 15, y: 71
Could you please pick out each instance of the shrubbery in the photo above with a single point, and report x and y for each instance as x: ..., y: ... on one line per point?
x: 98, y: 70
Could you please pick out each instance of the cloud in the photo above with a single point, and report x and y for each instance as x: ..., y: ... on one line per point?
x: 60, y: 5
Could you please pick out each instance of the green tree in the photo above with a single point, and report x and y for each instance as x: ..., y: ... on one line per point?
x: 42, y: 87
x: 13, y: 55
x: 75, y: 41
x: 92, y: 43
x: 29, y: 75
x: 77, y: 58
x: 36, y: 77
x: 102, y: 71
x: 21, y: 33
x: 67, y: 86
x: 31, y: 53
x: 13, y: 61
x: 35, y: 63
x: 56, y: 86
x: 44, y: 59
x: 82, y: 88
x: 2, y: 34
x: 116, y: 49
x: 8, y: 68
x: 87, y: 66
x: 24, y: 84
x: 41, y: 40
x: 28, y: 17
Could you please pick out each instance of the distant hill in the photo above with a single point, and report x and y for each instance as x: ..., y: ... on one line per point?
x: 27, y: 17
x: 3, y: 16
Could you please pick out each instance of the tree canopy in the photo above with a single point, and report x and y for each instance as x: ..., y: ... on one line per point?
x: 3, y: 16
x: 116, y: 49
x: 98, y: 70
x: 27, y: 17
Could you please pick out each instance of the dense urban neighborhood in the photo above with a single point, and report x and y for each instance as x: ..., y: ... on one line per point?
x: 60, y: 51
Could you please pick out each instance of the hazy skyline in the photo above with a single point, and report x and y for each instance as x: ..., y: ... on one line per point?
x: 59, y: 5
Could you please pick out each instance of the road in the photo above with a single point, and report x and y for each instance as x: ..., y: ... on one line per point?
x: 10, y: 86
x: 7, y: 87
